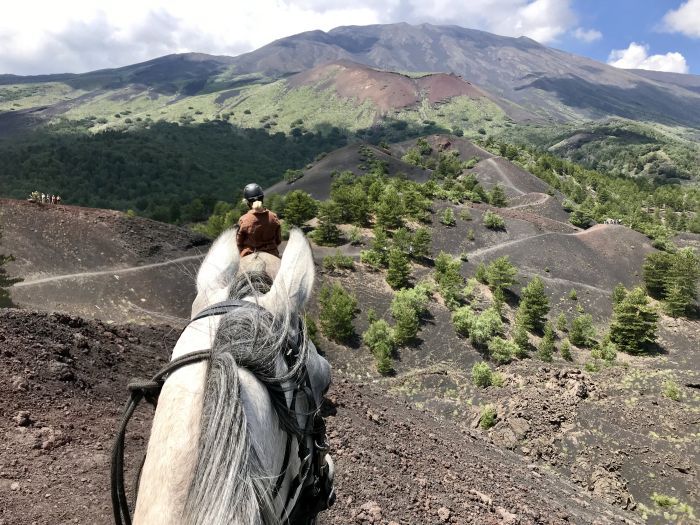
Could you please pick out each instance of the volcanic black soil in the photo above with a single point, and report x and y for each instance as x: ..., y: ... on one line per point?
x: 63, y: 381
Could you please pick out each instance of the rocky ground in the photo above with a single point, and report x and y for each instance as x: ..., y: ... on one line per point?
x: 63, y: 381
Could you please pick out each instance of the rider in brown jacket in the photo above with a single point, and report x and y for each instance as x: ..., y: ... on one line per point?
x: 259, y: 230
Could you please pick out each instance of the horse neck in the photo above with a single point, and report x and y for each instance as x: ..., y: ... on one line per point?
x: 172, y: 446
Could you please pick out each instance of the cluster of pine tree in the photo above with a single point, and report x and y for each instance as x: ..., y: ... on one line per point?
x: 673, y: 278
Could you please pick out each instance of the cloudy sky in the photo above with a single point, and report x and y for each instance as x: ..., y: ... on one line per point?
x: 50, y: 36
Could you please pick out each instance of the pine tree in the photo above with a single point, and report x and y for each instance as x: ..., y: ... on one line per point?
x: 521, y: 339
x: 656, y: 268
x: 421, y: 243
x: 327, y: 232
x: 634, y: 323
x: 618, y: 293
x: 299, y: 207
x: 380, y: 245
x: 497, y: 197
x: 681, y: 282
x: 582, y: 331
x: 338, y: 309
x: 534, y: 305
x: 389, y: 209
x: 500, y: 273
x: 545, y: 350
x: 449, y: 279
x: 399, y: 270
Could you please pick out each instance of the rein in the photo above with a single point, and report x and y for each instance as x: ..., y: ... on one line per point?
x: 149, y: 390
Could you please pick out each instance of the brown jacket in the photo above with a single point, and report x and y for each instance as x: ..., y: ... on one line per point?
x: 259, y: 231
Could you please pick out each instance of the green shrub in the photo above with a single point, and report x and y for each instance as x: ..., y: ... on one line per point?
x: 355, y: 236
x: 465, y: 214
x: 573, y: 296
x: 488, y: 417
x: 481, y: 374
x: 338, y: 262
x: 449, y: 279
x: 502, y: 350
x: 448, y: 217
x: 493, y: 221
x: 338, y: 309
x: 672, y: 390
x: 566, y: 350
x: 407, y: 307
x: 486, y: 327
x: 662, y: 500
x: 371, y: 258
x: 497, y: 379
x: 480, y: 273
x: 463, y: 319
x: 605, y: 351
x: 379, y: 338
x: 562, y: 322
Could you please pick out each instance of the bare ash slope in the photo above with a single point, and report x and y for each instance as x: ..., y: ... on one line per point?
x: 99, y: 262
x: 317, y: 178
x: 64, y: 381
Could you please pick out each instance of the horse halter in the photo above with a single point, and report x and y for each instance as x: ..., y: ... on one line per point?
x: 149, y: 390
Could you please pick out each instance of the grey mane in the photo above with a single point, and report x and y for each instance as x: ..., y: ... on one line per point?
x: 230, y: 484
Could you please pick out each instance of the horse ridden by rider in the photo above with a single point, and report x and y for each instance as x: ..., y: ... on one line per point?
x: 237, y: 437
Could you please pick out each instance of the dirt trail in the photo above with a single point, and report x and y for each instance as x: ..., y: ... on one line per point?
x: 483, y: 251
x: 492, y: 161
x: 107, y: 272
x: 543, y: 198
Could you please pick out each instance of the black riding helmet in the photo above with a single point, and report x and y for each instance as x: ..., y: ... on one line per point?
x: 253, y: 192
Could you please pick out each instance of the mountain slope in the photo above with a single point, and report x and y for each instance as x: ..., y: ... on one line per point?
x: 553, y: 82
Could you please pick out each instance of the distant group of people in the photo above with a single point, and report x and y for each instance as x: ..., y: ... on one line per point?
x: 45, y: 198
x: 613, y: 221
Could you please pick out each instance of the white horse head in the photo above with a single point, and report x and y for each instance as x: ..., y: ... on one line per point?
x: 217, y: 444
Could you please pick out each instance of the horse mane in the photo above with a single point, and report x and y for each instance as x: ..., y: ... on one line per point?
x: 230, y: 484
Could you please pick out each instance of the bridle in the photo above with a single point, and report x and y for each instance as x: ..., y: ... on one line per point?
x: 149, y: 390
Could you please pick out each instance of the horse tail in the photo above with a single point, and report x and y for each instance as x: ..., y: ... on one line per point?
x: 229, y: 484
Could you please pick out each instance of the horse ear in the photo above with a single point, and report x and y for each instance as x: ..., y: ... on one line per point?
x: 295, y: 278
x: 221, y: 263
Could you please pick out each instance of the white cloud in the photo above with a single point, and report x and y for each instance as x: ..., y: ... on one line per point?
x: 636, y: 56
x: 685, y: 19
x: 587, y: 35
x: 48, y: 36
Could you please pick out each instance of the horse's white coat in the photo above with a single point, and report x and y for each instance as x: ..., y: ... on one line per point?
x: 172, y: 447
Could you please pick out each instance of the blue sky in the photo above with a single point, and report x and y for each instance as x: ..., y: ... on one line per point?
x: 624, y: 21
x: 48, y: 36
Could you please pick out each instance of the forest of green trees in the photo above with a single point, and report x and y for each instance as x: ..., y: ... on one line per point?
x: 165, y: 171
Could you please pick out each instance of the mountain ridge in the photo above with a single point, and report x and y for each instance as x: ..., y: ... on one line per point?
x: 555, y: 84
